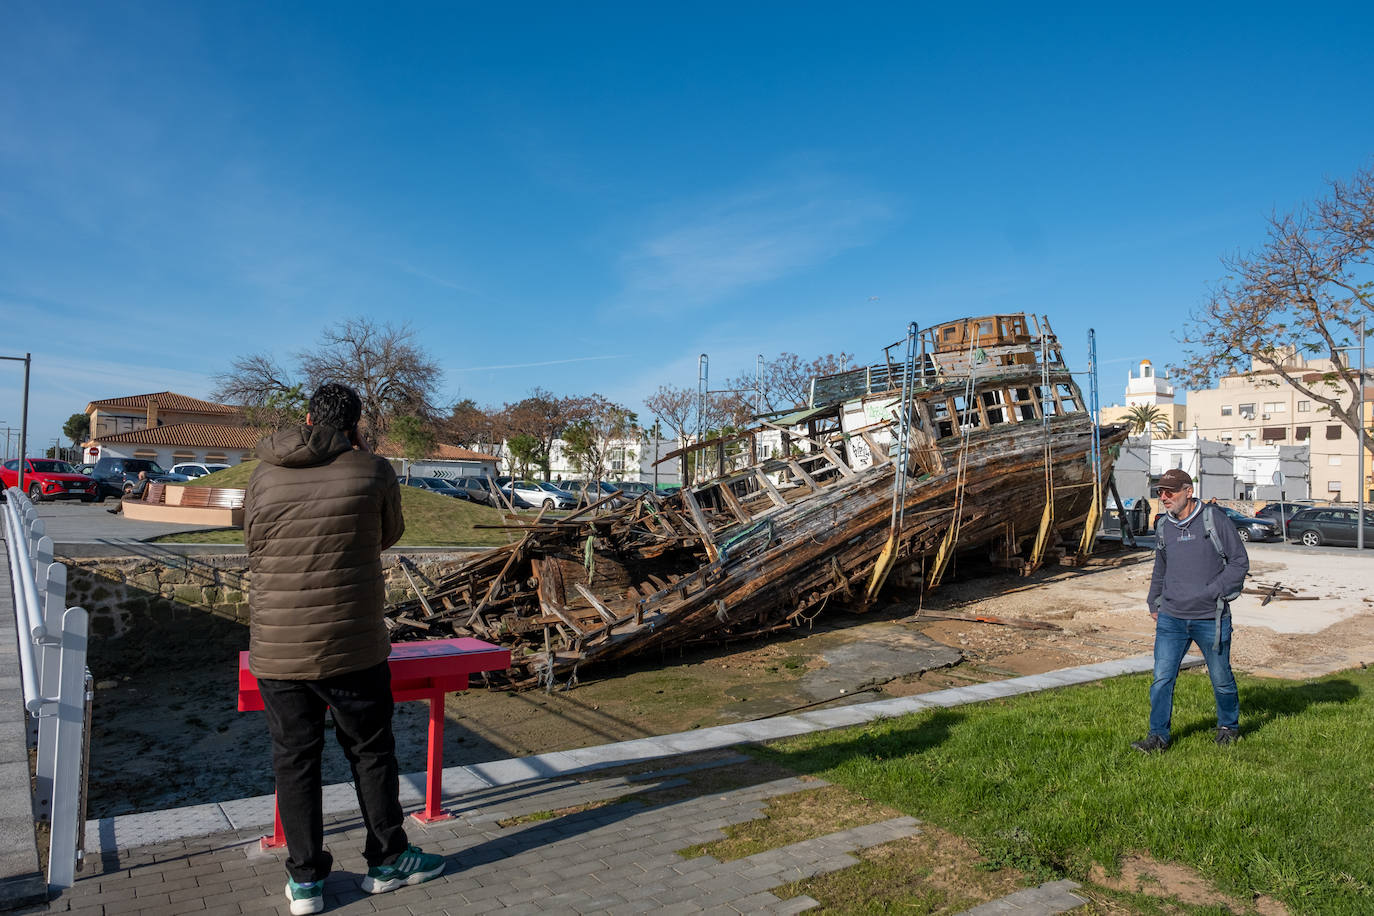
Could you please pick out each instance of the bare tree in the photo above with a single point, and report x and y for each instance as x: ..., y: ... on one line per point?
x: 270, y: 395
x: 590, y: 438
x: 786, y: 381
x: 390, y: 372
x: 1303, y: 292
x: 543, y: 416
x: 470, y: 426
x: 392, y: 375
x: 676, y: 408
x: 251, y: 380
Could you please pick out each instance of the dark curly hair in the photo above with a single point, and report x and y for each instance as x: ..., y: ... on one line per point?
x: 336, y: 405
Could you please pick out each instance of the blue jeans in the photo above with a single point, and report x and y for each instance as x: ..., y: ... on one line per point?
x: 1172, y: 636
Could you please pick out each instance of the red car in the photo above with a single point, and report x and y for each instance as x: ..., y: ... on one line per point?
x: 48, y: 478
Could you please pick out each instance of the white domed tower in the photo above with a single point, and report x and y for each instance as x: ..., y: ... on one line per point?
x: 1144, y: 387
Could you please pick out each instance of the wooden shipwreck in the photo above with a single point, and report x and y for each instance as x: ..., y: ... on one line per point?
x: 995, y: 451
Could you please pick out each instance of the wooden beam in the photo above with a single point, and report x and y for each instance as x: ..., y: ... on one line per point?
x: 731, y: 500
x: 880, y: 455
x: 707, y: 541
x: 800, y: 471
x: 844, y: 469
x: 601, y: 609
x: 768, y: 488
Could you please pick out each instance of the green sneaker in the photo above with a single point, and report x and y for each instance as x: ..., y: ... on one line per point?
x: 305, y: 898
x: 414, y: 866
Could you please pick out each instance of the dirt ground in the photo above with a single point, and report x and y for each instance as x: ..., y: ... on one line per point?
x: 166, y: 732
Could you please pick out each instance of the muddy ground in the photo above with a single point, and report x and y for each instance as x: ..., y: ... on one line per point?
x: 166, y: 731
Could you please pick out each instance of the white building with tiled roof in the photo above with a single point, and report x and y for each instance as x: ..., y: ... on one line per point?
x: 169, y: 428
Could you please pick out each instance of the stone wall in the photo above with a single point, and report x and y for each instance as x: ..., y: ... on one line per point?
x: 120, y: 593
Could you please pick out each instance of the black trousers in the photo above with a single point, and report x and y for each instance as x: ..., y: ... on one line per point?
x: 362, y: 707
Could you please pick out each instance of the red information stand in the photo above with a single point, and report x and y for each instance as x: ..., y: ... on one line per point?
x: 424, y: 670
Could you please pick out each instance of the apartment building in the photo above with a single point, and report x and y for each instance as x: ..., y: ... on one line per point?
x: 1262, y: 409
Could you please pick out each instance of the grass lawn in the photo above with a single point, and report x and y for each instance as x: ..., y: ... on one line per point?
x: 432, y: 520
x: 1048, y: 784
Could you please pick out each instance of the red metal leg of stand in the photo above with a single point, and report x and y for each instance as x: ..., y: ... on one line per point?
x: 434, y: 766
x: 278, y: 837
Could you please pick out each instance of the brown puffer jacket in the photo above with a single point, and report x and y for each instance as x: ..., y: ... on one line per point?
x: 316, y: 518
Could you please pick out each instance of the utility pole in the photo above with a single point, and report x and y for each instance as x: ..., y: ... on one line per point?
x: 24, y: 422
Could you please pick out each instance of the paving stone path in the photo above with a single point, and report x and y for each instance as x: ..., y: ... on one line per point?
x: 547, y: 846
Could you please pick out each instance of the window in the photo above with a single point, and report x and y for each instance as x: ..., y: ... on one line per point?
x: 1274, y: 433
x: 1225, y: 437
x: 968, y: 413
x: 1303, y: 433
x: 1333, y: 460
x: 1024, y: 402
x: 1304, y: 406
x: 1225, y: 410
x: 1066, y: 399
x: 1178, y: 427
x: 1333, y: 432
x: 1333, y: 486
x: 1247, y: 411
x: 985, y: 329
x: 1275, y: 407
x: 617, y: 459
x: 993, y: 403
x: 939, y: 412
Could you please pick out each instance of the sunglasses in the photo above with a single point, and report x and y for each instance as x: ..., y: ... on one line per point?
x: 1167, y: 491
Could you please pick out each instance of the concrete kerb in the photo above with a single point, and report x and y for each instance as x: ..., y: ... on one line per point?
x: 127, y: 831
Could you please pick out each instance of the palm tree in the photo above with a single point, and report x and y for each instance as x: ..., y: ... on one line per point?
x: 1143, y: 417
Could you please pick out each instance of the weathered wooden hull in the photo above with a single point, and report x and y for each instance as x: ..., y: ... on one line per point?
x: 998, y: 459
x: 788, y: 564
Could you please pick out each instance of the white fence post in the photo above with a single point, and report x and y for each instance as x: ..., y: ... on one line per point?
x: 36, y: 531
x: 66, y: 777
x: 48, y: 654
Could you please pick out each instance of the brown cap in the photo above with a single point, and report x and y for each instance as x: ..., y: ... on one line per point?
x: 1174, y: 479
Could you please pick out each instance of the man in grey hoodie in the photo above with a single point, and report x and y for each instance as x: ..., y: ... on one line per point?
x: 1188, y: 600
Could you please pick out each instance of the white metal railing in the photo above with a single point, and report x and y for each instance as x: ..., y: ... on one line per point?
x: 52, y: 660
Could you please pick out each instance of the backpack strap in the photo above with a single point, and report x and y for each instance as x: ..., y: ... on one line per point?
x: 1222, y: 600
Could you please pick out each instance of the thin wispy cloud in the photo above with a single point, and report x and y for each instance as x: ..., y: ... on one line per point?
x: 550, y: 362
x: 425, y: 275
x: 753, y: 237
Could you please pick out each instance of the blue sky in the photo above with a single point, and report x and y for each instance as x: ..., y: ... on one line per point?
x: 585, y: 197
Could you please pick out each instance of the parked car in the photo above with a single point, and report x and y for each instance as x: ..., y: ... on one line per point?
x: 48, y: 478
x: 193, y: 470
x: 116, y: 476
x: 1330, y: 525
x: 1282, y: 512
x: 529, y: 493
x: 436, y: 485
x: 84, y: 469
x: 634, y: 488
x: 1250, y: 528
x: 589, y: 492
x: 478, y: 490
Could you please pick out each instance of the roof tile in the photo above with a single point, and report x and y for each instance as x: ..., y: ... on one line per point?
x: 194, y: 435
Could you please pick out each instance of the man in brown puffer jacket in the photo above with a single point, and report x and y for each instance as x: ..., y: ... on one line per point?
x: 319, y: 511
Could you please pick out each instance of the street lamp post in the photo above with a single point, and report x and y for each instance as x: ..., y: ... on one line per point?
x: 24, y: 422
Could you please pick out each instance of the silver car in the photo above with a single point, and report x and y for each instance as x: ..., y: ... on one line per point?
x: 529, y: 493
